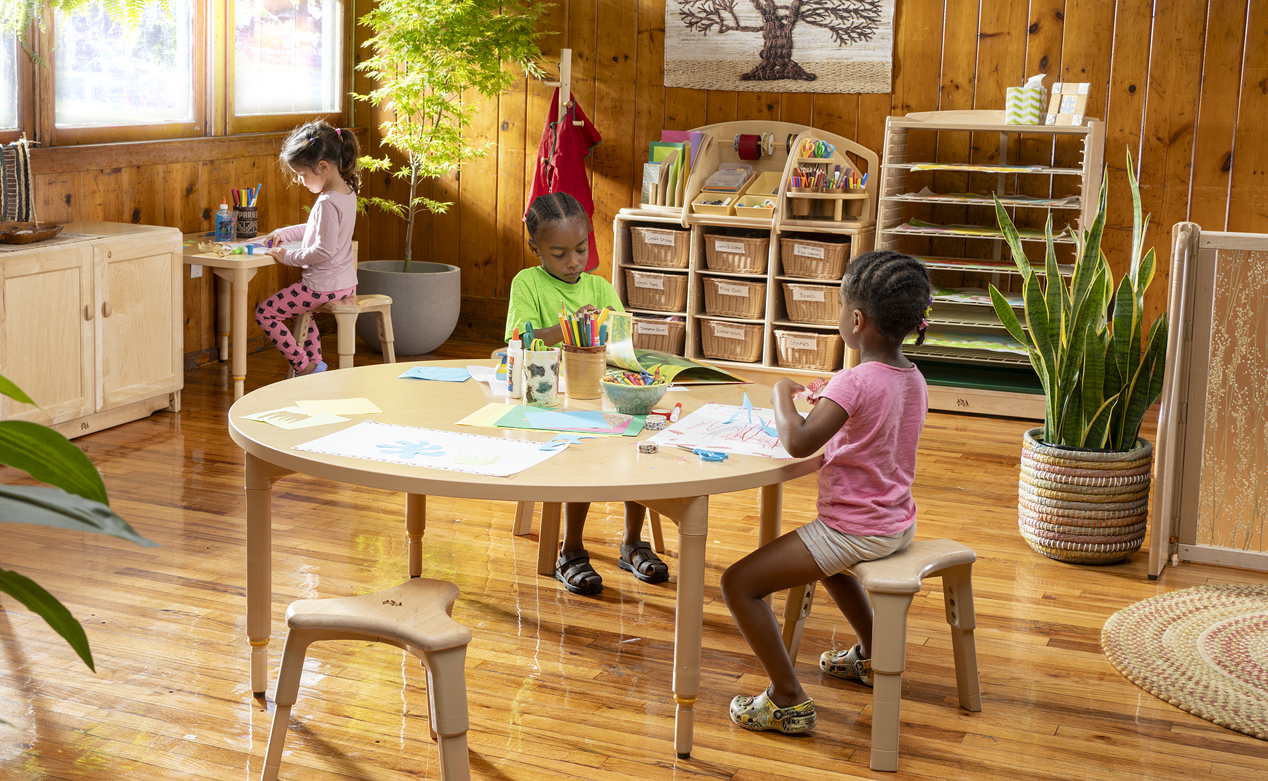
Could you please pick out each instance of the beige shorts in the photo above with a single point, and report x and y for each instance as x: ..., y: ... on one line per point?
x: 836, y: 551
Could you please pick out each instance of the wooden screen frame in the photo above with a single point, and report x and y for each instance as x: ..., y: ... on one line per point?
x: 26, y: 87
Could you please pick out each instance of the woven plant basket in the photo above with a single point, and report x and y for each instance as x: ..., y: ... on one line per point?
x: 660, y: 247
x: 734, y: 297
x: 725, y: 341
x: 813, y: 259
x: 1083, y: 506
x: 736, y: 254
x: 651, y: 290
x: 818, y: 304
x: 663, y: 336
x: 816, y: 352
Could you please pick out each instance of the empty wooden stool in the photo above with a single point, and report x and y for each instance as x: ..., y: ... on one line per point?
x: 346, y: 312
x: 891, y: 583
x: 414, y: 616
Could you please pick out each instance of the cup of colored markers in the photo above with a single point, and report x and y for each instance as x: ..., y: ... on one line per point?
x: 584, y: 352
x: 540, y: 374
x: 245, y: 211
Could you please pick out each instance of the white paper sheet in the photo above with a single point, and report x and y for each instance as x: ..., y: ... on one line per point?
x: 448, y: 450
x: 725, y: 427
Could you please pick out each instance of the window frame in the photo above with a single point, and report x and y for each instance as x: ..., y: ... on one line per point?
x: 25, y: 104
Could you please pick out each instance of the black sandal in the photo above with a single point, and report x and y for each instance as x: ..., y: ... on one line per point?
x: 640, y: 560
x: 574, y: 571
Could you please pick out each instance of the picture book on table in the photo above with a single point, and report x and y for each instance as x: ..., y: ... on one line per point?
x: 678, y: 370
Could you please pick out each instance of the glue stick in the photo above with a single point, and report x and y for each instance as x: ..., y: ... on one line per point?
x: 514, y: 354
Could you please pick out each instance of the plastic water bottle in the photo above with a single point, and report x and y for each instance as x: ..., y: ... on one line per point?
x: 224, y: 223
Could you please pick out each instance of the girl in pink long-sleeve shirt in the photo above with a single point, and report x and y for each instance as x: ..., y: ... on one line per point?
x: 324, y: 159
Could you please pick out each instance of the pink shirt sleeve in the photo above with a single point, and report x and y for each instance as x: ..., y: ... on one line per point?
x: 322, y: 246
x: 291, y: 233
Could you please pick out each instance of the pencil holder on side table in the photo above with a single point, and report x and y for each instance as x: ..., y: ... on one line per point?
x: 541, y: 377
x: 246, y: 220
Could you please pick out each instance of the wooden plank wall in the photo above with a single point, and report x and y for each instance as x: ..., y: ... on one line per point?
x: 1175, y: 82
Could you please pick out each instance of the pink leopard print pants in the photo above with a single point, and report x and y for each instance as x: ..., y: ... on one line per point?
x: 288, y: 303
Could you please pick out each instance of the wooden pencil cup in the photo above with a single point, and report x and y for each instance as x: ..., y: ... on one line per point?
x: 583, y: 369
x: 247, y: 221
x: 541, y: 377
x: 854, y: 206
x: 801, y: 206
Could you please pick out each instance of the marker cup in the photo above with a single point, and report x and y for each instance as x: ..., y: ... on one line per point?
x: 583, y: 369
x: 541, y: 377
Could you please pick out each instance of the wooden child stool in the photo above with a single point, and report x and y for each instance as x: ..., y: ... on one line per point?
x: 414, y: 616
x: 891, y: 583
x: 346, y: 311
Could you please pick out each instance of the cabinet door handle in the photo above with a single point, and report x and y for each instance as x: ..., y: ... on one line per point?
x: 88, y: 312
x: 106, y: 309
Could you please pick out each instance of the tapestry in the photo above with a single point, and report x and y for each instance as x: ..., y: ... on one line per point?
x: 780, y: 45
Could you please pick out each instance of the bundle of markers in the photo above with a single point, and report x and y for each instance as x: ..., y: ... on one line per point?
x: 633, y: 378
x: 820, y: 178
x: 584, y: 330
x: 246, y: 197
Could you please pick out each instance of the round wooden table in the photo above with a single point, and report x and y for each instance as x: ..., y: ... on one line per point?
x: 597, y: 470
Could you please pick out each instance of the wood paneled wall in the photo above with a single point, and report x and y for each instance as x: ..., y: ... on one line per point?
x: 1179, y: 83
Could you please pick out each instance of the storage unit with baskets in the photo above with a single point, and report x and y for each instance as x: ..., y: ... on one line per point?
x: 939, y: 207
x: 760, y: 286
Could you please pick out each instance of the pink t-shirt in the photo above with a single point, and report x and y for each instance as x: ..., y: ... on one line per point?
x: 869, y: 465
x: 327, y: 249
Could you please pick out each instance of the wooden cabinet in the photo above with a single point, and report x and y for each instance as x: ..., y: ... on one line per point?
x: 91, y: 329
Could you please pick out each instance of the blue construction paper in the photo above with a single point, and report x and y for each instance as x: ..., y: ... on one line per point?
x: 442, y: 373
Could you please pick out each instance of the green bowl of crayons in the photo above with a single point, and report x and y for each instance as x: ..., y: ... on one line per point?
x: 633, y: 393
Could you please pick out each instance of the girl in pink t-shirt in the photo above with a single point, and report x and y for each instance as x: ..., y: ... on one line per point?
x: 868, y: 421
x: 324, y: 160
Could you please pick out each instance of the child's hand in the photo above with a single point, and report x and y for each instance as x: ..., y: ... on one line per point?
x: 277, y: 253
x: 589, y: 309
x: 269, y: 240
x: 785, y: 388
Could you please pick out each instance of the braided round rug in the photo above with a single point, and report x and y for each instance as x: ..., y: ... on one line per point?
x: 1203, y: 649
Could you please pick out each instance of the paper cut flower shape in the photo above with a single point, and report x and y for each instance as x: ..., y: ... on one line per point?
x: 405, y: 449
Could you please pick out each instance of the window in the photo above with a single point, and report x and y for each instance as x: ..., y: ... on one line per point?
x: 287, y: 57
x: 9, y: 83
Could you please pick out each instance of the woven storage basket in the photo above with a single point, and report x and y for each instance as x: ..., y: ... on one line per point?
x: 660, y: 247
x: 816, y: 352
x: 813, y: 259
x: 663, y: 336
x: 734, y: 297
x: 731, y: 341
x: 818, y: 304
x: 661, y: 292
x: 737, y: 254
x: 1083, y: 506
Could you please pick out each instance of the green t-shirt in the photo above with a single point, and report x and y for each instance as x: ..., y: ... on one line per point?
x: 536, y: 297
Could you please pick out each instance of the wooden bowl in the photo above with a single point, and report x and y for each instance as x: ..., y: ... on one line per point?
x: 26, y: 232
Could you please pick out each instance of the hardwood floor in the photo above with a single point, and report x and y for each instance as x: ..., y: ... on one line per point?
x: 559, y: 686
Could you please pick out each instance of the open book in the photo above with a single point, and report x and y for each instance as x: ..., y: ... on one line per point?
x: 676, y: 369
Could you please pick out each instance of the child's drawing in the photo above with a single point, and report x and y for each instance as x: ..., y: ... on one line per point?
x: 727, y: 428
x: 422, y: 448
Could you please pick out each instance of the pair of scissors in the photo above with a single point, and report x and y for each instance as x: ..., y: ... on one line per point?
x: 706, y: 455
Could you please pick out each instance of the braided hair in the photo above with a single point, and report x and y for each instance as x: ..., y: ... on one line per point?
x: 312, y: 142
x: 892, y: 290
x: 551, y: 208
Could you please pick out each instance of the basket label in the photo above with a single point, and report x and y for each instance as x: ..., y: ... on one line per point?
x: 727, y: 331
x: 664, y: 238
x: 809, y: 294
x: 733, y: 247
x: 650, y: 281
x: 807, y: 251
x: 801, y: 342
x: 732, y: 290
x: 655, y: 329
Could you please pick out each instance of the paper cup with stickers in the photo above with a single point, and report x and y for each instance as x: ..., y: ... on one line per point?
x: 541, y: 377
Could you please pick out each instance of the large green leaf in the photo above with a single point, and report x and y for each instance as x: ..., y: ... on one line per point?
x: 13, y: 391
x: 1085, y: 265
x: 54, y: 507
x: 1146, y: 384
x: 1037, y: 321
x: 1092, y: 381
x: 1004, y: 311
x: 46, y: 606
x: 1098, y: 428
x: 1126, y: 319
x: 1054, y: 289
x: 1012, y: 237
x: 1071, y: 426
x: 50, y: 458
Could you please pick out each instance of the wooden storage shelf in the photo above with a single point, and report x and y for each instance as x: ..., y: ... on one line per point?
x: 961, y: 378
x: 716, y: 150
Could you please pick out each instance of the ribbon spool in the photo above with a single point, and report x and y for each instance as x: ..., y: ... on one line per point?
x: 748, y: 146
x: 768, y: 143
x: 788, y: 145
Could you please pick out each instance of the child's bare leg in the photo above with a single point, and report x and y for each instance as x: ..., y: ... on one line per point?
x: 575, y: 524
x: 634, y: 515
x: 848, y: 594
x: 782, y: 564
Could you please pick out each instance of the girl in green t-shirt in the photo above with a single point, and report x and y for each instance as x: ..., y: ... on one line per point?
x: 558, y: 231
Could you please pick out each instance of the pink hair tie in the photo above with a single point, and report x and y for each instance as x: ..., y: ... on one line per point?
x: 339, y: 133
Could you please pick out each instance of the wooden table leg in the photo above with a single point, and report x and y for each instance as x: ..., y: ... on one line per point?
x: 771, y: 515
x: 692, y: 515
x: 241, y: 276
x: 548, y: 539
x: 222, y: 316
x: 259, y: 479
x: 415, y: 525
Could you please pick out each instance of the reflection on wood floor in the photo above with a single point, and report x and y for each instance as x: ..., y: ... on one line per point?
x: 559, y: 686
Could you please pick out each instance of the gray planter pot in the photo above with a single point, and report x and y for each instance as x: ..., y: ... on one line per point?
x: 424, y: 303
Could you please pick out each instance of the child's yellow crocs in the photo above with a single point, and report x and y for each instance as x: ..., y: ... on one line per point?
x: 759, y: 713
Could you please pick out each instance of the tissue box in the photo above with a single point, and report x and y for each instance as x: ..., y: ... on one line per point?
x: 1024, y: 105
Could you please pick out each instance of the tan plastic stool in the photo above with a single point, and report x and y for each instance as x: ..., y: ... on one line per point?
x: 891, y: 583
x: 346, y: 312
x: 414, y: 616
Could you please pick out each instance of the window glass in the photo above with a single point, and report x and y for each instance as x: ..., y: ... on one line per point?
x: 287, y: 56
x: 9, y: 50
x: 108, y: 75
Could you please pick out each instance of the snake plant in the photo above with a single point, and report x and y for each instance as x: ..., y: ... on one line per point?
x: 1084, y: 334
